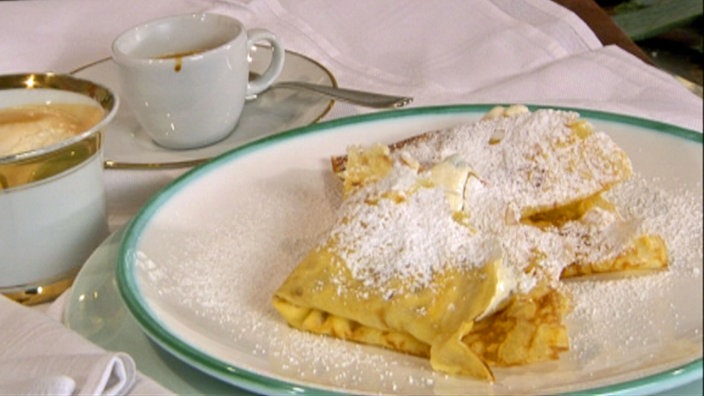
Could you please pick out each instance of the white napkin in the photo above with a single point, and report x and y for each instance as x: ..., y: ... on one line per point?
x: 453, y: 52
x: 87, y: 374
x: 499, y: 51
x: 39, y: 356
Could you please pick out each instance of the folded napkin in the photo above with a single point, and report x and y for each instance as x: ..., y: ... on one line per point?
x: 39, y: 356
x: 48, y: 374
x: 498, y: 51
x: 509, y: 51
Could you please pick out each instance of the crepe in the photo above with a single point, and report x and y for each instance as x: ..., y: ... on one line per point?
x: 391, y: 267
x: 547, y: 169
x: 452, y: 245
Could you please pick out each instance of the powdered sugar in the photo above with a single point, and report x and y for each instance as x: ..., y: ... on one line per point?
x: 676, y: 214
x: 381, y: 239
x: 540, y: 160
x: 614, y: 317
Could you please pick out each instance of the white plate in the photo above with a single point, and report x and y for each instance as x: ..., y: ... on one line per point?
x: 95, y: 310
x: 127, y: 145
x: 198, y: 265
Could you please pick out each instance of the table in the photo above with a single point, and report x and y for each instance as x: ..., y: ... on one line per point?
x: 452, y: 61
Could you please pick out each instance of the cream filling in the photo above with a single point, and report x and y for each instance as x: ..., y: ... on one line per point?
x: 454, y: 175
x: 506, y: 284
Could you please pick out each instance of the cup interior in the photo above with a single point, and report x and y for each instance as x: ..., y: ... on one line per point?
x: 49, y: 88
x: 53, y: 127
x: 177, y: 36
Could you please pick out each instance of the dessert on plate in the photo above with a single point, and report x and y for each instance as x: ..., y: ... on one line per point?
x: 453, y: 244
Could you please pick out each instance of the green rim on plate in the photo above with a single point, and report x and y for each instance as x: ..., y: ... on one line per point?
x: 130, y: 290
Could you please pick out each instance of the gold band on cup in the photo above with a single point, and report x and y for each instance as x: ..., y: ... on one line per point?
x: 34, y: 271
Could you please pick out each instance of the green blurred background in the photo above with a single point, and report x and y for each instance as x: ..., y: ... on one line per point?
x: 668, y: 31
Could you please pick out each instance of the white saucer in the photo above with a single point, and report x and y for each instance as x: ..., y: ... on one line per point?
x: 127, y: 145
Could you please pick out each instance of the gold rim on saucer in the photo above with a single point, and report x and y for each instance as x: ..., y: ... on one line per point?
x: 41, y: 292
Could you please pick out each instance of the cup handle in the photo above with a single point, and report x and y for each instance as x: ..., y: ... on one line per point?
x: 267, y: 78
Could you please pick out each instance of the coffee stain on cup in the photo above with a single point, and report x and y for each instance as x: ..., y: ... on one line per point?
x: 178, y: 64
x: 178, y: 57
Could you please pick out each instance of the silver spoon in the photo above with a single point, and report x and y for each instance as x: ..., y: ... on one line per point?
x: 361, y: 98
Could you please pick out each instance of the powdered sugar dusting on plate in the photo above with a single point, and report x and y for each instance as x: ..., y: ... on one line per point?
x: 225, y: 284
x: 615, y: 317
x: 224, y: 274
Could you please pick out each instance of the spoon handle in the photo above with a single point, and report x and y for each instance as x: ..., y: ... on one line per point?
x: 368, y: 99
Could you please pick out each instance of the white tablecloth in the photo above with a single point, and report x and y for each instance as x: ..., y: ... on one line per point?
x: 452, y: 51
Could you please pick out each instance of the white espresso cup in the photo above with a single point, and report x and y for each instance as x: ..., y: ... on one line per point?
x: 186, y: 77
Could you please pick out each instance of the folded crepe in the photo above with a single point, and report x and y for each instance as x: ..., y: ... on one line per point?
x: 451, y: 245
